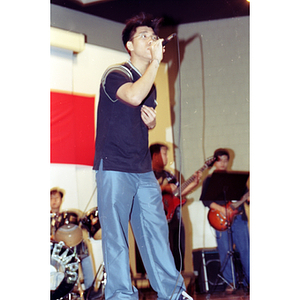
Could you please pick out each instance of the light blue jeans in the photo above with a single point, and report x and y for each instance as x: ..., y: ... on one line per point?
x: 240, y: 237
x: 124, y: 197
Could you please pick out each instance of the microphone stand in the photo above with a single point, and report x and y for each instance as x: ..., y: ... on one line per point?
x: 229, y: 254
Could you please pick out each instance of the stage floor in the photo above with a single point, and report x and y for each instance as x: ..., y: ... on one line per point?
x: 237, y: 295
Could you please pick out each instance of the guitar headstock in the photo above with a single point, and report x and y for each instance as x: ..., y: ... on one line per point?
x: 210, y: 161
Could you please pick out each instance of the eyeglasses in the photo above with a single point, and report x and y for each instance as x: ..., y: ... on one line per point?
x: 145, y: 36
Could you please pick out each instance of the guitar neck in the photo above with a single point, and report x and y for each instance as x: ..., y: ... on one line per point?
x: 240, y: 202
x: 176, y: 193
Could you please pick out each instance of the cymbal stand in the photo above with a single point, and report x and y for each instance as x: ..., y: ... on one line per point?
x: 102, y: 283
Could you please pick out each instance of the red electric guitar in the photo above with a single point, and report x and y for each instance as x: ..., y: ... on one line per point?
x: 172, y: 201
x: 219, y: 221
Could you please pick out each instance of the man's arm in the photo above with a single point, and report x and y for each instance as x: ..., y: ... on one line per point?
x: 135, y: 92
x: 193, y: 184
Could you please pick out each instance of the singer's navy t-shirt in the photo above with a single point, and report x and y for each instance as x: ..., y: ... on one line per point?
x: 121, y: 135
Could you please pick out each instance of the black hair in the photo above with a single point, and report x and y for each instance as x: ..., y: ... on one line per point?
x: 56, y: 191
x: 220, y: 152
x: 155, y: 148
x: 141, y: 19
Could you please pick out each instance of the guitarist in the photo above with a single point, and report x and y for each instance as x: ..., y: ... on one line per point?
x: 239, y: 227
x: 168, y: 183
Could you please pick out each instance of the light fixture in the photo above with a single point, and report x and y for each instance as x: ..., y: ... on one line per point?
x: 90, y: 2
x: 67, y: 39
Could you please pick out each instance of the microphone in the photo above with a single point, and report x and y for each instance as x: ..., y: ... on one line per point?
x: 168, y: 39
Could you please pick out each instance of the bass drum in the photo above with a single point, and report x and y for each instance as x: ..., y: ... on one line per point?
x: 91, y: 223
x: 67, y: 227
x: 64, y: 265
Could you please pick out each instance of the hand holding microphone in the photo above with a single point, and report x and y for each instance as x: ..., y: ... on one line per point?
x: 168, y: 39
x: 165, y: 42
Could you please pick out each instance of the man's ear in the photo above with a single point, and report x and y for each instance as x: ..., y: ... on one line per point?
x: 129, y: 46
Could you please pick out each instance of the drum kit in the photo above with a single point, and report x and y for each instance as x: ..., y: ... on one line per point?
x: 69, y: 256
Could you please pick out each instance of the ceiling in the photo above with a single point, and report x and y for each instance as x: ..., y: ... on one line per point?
x: 173, y: 12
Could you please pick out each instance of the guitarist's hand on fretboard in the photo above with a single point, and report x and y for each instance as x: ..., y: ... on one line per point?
x: 197, y: 175
x: 173, y: 195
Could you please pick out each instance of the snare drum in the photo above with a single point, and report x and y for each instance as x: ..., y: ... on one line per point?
x: 91, y: 223
x: 67, y: 228
x: 64, y: 265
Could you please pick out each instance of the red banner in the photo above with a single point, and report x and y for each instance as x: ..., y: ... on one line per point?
x: 72, y: 129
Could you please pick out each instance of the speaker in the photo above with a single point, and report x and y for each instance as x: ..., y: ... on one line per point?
x: 206, y: 268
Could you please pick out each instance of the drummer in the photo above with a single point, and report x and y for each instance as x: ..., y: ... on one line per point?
x: 56, y: 199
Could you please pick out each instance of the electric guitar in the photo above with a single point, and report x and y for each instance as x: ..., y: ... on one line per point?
x: 172, y: 201
x: 220, y: 221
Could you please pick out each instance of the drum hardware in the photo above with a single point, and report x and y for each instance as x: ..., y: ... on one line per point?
x: 91, y: 223
x: 67, y: 228
x: 72, y: 296
x: 86, y: 263
x: 53, y: 218
x: 64, y: 265
x: 95, y: 291
x: 66, y: 239
x: 81, y: 252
